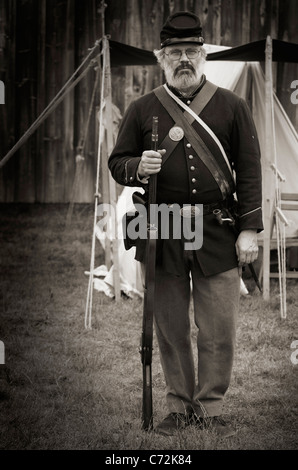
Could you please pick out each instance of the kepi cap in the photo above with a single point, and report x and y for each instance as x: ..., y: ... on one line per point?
x: 182, y: 26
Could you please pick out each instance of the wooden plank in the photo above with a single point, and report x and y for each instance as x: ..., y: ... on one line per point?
x: 87, y: 31
x: 289, y: 196
x: 41, y: 103
x: 70, y: 165
x: 51, y: 88
x: 245, y: 24
x: 26, y: 39
x: 57, y: 141
x: 290, y: 241
x: 7, y: 117
x: 234, y: 26
x: 289, y: 207
x: 256, y: 19
x: 289, y: 275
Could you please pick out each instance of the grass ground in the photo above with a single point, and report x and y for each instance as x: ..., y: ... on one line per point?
x: 65, y: 387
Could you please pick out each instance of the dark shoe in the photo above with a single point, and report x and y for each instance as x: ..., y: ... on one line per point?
x: 215, y: 424
x: 172, y: 423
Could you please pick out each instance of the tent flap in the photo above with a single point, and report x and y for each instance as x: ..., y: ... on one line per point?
x: 123, y: 54
x: 255, y: 52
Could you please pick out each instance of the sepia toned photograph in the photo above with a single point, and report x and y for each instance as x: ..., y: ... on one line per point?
x: 149, y: 228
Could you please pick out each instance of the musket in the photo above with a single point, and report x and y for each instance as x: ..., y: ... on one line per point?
x: 231, y: 221
x: 149, y: 294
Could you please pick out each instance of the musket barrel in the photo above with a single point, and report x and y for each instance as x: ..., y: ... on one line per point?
x: 149, y: 293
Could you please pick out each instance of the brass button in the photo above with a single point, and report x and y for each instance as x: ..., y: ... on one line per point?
x: 194, y: 191
x: 190, y: 157
x: 192, y: 168
x: 193, y: 180
x: 188, y: 145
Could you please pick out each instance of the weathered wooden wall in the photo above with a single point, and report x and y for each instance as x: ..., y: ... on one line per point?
x: 42, y: 42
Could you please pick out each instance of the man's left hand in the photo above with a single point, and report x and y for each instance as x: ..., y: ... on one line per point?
x: 247, y: 247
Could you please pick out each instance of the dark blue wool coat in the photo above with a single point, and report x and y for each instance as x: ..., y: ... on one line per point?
x: 184, y: 179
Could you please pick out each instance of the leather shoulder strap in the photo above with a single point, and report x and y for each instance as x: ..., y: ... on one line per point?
x: 197, y: 105
x: 202, y: 99
x: 196, y: 141
x: 202, y: 124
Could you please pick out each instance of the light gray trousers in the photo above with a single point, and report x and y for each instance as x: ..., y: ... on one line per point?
x: 216, y: 303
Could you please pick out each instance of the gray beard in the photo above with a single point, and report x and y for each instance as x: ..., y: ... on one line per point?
x: 183, y: 81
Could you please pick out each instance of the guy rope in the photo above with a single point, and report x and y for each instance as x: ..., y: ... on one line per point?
x: 69, y: 85
x: 105, y: 105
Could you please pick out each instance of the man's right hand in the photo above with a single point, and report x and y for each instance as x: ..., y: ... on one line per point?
x: 150, y: 162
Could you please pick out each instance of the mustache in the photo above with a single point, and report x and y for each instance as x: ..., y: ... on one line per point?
x: 183, y: 67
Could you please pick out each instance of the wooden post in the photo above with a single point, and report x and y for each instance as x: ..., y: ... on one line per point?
x: 112, y: 183
x: 109, y: 147
x: 267, y: 175
x: 105, y: 191
x: 102, y: 163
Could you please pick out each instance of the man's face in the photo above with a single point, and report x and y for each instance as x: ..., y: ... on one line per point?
x: 183, y: 65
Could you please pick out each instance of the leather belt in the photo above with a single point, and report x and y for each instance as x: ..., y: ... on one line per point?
x: 192, y: 211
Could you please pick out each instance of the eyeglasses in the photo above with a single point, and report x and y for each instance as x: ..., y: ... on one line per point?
x: 176, y: 54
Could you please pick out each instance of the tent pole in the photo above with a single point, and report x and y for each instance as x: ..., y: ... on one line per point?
x: 112, y: 183
x: 267, y: 169
x: 103, y: 163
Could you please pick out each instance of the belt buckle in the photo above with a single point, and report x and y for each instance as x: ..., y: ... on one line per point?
x: 189, y: 212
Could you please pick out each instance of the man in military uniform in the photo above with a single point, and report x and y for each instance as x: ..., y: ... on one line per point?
x: 225, y: 166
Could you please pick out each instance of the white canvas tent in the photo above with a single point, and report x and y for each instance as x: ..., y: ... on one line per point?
x: 243, y: 78
x: 238, y: 76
